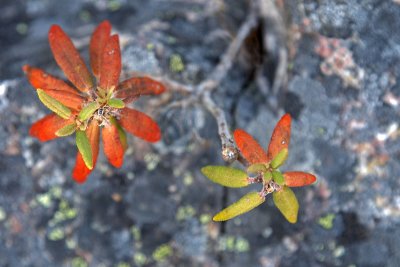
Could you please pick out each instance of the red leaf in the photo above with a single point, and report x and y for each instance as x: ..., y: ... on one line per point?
x: 249, y: 147
x: 134, y: 87
x: 97, y: 44
x: 40, y: 79
x: 140, y: 125
x: 68, y: 59
x: 280, y: 138
x: 296, y: 179
x: 110, y: 68
x: 113, y: 148
x: 80, y: 171
x: 45, y: 128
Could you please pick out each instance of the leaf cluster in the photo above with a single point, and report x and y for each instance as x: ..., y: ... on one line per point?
x: 263, y: 167
x: 95, y: 103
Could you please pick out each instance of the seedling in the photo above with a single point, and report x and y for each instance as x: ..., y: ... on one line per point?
x: 92, y: 103
x: 263, y: 168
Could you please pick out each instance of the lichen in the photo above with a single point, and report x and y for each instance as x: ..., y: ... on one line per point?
x: 176, y: 63
x: 327, y: 221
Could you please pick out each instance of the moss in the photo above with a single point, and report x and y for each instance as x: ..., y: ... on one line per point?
x: 64, y: 212
x: 152, y: 161
x: 139, y: 258
x: 114, y: 5
x: 3, y: 214
x: 205, y: 218
x: 150, y: 46
x: 187, y: 179
x: 234, y: 244
x: 123, y: 264
x: 176, y: 63
x: 56, y: 234
x: 242, y: 245
x: 44, y: 200
x: 78, y: 262
x: 22, y: 28
x: 85, y: 15
x: 135, y: 231
x: 185, y: 212
x: 56, y: 192
x: 70, y: 243
x: 162, y: 252
x: 327, y: 221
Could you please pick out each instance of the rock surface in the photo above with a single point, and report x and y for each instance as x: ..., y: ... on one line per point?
x: 156, y: 209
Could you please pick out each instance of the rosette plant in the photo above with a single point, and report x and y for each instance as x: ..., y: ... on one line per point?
x: 91, y: 104
x: 263, y: 168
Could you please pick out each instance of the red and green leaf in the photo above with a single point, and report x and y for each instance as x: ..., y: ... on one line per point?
x: 278, y: 177
x: 116, y: 103
x: 257, y: 168
x: 45, y: 129
x: 226, y: 176
x: 110, y: 68
x: 280, y: 138
x: 134, y: 87
x: 296, y: 179
x: 80, y: 171
x: 97, y: 43
x: 249, y: 147
x: 140, y: 125
x: 66, y: 130
x: 69, y: 60
x: 72, y: 101
x: 113, y: 147
x: 245, y: 204
x: 279, y: 159
x: 286, y: 201
x: 88, y: 111
x: 40, y: 79
x: 84, y: 147
x: 54, y: 105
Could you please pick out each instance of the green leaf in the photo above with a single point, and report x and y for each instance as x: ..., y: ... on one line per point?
x: 66, y: 130
x: 286, y: 201
x: 83, y: 144
x: 88, y: 111
x: 121, y: 133
x: 226, y: 176
x: 243, y: 205
x: 53, y: 104
x: 257, y: 167
x: 280, y: 158
x: 116, y: 103
x: 278, y: 178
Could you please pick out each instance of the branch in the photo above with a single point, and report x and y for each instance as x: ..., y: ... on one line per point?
x: 220, y: 71
x: 273, y: 40
x: 229, y: 151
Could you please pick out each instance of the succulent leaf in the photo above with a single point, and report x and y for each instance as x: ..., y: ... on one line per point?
x: 249, y: 147
x: 226, y: 176
x: 257, y: 167
x: 84, y: 147
x: 66, y: 130
x: 278, y: 177
x: 296, y: 179
x: 116, y: 103
x: 286, y: 201
x: 245, y: 204
x: 69, y: 60
x: 280, y: 138
x: 53, y: 104
x: 88, y: 111
x: 140, y: 125
x: 280, y: 158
